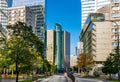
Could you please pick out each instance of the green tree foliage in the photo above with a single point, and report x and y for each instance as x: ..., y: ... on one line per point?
x: 85, y: 61
x: 22, y: 48
x: 110, y: 66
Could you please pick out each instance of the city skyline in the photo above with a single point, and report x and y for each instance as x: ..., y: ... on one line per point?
x: 67, y: 14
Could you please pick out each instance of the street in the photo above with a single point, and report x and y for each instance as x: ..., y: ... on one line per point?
x: 60, y: 78
x: 88, y: 80
x: 55, y: 78
x: 9, y: 80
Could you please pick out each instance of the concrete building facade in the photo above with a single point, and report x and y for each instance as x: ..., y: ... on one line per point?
x: 50, y: 46
x: 73, y: 60
x: 80, y: 48
x: 112, y: 14
x: 96, y: 37
x: 23, y: 14
x: 38, y: 7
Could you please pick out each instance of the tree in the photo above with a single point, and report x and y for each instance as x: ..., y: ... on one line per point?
x: 110, y: 65
x: 85, y: 61
x: 22, y: 48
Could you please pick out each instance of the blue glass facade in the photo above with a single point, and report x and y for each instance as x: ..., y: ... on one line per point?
x: 58, y: 55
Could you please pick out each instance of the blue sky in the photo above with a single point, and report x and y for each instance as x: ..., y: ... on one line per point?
x: 67, y: 13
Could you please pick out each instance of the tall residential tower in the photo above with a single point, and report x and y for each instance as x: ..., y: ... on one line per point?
x: 38, y: 6
x: 91, y: 6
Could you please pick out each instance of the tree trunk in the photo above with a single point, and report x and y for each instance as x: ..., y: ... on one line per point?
x: 12, y: 72
x: 109, y: 76
x: 17, y: 72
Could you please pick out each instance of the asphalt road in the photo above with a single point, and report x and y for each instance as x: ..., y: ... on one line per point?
x: 9, y: 80
x: 55, y: 78
x: 87, y: 80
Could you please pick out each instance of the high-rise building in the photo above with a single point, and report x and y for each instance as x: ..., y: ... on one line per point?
x: 58, y: 47
x: 28, y: 2
x: 73, y: 60
x: 23, y: 14
x: 91, y: 6
x: 58, y: 53
x: 98, y: 37
x: 66, y: 49
x: 115, y: 10
x: 3, y: 13
x: 50, y: 46
x: 38, y: 6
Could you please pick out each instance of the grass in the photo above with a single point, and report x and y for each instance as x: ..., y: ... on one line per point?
x: 113, y: 80
x: 27, y: 80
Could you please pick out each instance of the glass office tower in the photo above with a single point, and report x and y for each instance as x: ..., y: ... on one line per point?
x: 58, y: 48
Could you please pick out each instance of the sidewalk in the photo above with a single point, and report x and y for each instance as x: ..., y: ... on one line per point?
x: 102, y: 77
x: 41, y: 79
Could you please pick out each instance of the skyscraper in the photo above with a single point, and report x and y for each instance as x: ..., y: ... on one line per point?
x: 98, y: 37
x: 3, y: 12
x: 50, y: 53
x: 58, y: 48
x: 23, y: 14
x: 66, y: 49
x: 58, y: 53
x: 91, y: 6
x: 28, y: 2
x: 38, y: 6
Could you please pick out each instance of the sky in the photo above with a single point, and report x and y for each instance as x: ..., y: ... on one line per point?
x: 68, y: 14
